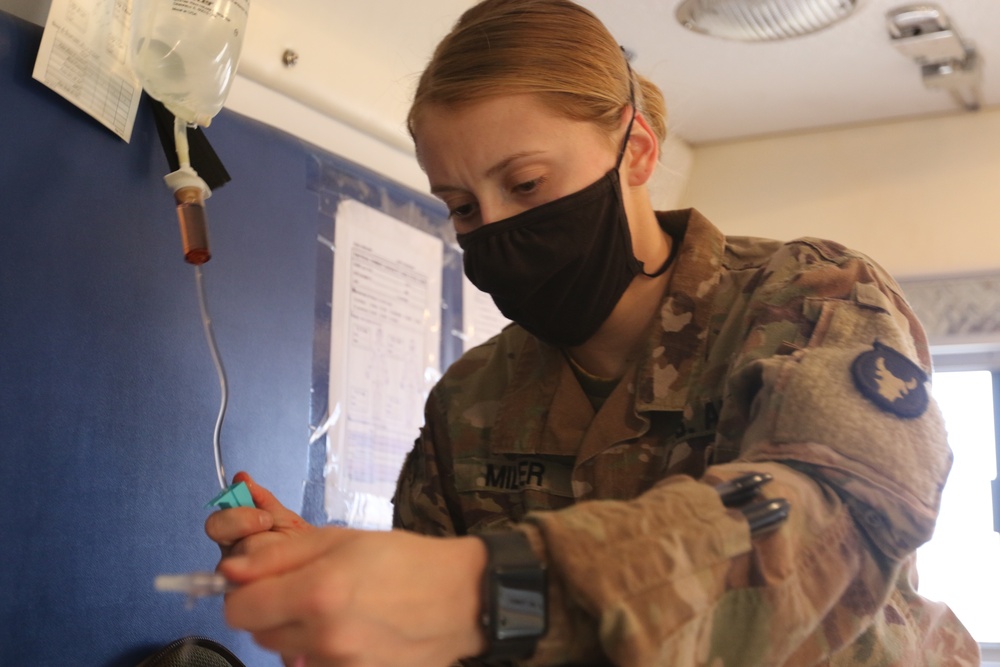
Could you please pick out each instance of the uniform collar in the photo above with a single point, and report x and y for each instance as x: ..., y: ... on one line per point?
x: 678, y: 338
x: 544, y: 410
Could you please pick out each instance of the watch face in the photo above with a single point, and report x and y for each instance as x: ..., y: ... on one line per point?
x: 520, y: 612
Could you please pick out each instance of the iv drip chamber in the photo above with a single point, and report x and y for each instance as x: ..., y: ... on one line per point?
x: 190, y: 193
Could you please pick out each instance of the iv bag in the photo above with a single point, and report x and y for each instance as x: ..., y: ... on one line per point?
x: 185, y: 52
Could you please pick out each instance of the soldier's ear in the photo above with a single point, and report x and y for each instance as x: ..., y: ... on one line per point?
x: 642, y: 152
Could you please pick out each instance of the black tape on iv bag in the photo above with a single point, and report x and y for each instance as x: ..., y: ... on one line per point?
x: 203, y: 158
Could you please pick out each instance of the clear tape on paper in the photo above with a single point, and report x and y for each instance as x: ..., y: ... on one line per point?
x: 391, y: 314
x: 384, y: 358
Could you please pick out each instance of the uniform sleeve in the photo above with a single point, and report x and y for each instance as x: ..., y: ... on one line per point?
x: 856, y: 447
x: 421, y: 502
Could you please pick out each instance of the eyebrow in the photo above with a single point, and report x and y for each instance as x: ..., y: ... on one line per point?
x: 492, y: 171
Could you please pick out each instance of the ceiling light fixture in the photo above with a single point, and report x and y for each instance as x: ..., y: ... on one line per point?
x: 761, y: 20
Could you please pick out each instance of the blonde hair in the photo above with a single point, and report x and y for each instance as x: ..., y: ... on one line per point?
x: 555, y: 49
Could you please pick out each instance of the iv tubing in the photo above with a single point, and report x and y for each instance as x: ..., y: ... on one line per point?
x: 220, y: 370
x: 184, y: 159
x: 181, y: 141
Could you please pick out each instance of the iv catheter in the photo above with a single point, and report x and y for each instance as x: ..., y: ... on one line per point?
x: 194, y: 584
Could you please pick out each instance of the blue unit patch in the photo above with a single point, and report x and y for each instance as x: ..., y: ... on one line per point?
x: 891, y: 381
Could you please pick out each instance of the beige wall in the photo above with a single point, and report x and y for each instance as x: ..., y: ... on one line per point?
x: 921, y: 196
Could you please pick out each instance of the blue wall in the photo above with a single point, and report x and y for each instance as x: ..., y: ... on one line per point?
x: 108, y: 396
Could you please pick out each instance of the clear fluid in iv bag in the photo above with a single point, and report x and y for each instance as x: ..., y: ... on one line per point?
x: 185, y: 52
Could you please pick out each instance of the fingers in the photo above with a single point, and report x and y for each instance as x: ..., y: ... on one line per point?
x: 285, y: 556
x: 265, y: 500
x: 279, y: 602
x: 244, y: 530
x: 227, y: 527
x: 345, y: 597
x: 290, y: 639
x: 308, y: 644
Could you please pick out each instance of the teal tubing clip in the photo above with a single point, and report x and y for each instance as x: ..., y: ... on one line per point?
x: 234, y: 495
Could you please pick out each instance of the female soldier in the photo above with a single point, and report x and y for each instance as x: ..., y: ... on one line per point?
x: 575, y: 467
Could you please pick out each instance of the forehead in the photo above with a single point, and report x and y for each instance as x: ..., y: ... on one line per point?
x: 490, y: 129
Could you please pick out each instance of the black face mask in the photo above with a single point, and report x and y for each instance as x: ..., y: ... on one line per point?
x: 558, y: 269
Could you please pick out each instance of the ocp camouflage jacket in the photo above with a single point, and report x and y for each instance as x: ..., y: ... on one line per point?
x: 797, y: 359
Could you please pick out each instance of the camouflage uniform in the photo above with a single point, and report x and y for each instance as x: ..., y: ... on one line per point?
x: 752, y: 365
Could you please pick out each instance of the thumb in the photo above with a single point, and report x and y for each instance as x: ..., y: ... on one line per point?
x: 265, y: 500
x: 262, y: 498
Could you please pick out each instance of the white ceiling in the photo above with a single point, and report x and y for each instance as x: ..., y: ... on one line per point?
x: 848, y: 73
x: 363, y: 58
x: 371, y: 52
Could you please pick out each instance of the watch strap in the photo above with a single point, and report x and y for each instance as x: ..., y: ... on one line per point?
x: 514, y: 596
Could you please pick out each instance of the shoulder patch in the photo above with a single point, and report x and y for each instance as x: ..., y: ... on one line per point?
x: 891, y: 381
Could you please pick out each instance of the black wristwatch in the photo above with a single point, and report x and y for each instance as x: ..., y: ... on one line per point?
x: 513, y: 598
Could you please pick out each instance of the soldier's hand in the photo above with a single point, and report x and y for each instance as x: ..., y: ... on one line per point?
x: 242, y: 530
x: 339, y: 596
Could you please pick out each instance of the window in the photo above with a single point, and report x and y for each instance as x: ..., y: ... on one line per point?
x: 961, y: 564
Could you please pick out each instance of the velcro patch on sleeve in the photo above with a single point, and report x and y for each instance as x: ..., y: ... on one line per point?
x: 891, y: 381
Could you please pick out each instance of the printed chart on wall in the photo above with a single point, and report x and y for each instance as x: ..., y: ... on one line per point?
x: 481, y: 318
x: 84, y: 57
x: 384, y: 358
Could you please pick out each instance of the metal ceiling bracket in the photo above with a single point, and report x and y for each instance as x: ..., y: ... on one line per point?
x: 924, y: 34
